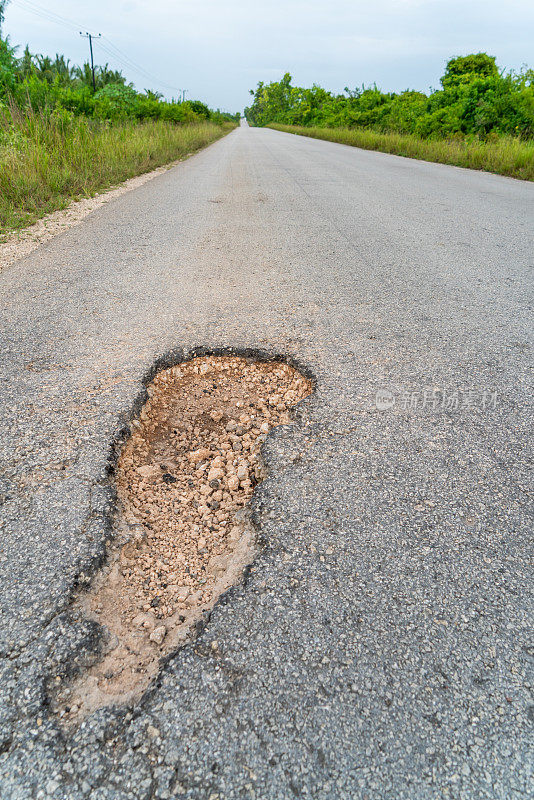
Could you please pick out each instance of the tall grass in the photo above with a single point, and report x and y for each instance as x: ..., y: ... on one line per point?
x: 505, y: 155
x: 48, y: 159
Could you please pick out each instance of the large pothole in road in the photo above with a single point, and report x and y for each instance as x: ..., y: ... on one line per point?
x: 183, y: 479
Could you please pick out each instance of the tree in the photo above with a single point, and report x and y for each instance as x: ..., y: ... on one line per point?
x: 103, y: 76
x: 199, y: 108
x: 26, y: 64
x: 154, y: 96
x: 44, y: 68
x: 270, y: 100
x: 466, y: 69
x: 63, y: 70
x: 8, y: 62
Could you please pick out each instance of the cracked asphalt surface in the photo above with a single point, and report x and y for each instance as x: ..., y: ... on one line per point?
x: 379, y: 647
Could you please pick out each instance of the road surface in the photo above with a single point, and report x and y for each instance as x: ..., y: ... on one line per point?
x: 380, y: 645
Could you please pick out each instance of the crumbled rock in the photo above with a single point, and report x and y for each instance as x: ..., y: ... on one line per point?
x: 186, y: 423
x: 183, y: 479
x: 158, y: 634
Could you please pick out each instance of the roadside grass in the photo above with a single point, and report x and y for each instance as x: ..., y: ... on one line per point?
x: 505, y: 155
x: 48, y: 160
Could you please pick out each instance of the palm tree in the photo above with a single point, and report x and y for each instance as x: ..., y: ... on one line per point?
x: 45, y: 68
x: 103, y: 75
x: 63, y: 70
x: 26, y: 64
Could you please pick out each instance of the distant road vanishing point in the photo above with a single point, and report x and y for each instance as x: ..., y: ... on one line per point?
x: 379, y: 646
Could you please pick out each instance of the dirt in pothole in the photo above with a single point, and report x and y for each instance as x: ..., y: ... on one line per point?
x: 183, y: 480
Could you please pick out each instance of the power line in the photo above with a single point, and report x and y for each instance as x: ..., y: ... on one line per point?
x: 111, y: 49
x: 119, y: 55
x: 126, y: 64
x: 50, y: 16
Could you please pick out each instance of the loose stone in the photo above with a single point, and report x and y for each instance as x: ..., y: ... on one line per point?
x: 189, y: 467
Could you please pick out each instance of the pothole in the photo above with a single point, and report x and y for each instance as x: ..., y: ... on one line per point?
x: 183, y: 480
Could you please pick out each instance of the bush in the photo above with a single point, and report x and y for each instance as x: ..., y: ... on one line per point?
x: 40, y: 83
x: 7, y: 68
x: 475, y: 100
x: 115, y: 101
x: 60, y: 140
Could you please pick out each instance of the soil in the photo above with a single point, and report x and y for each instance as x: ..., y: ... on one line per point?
x: 183, y: 479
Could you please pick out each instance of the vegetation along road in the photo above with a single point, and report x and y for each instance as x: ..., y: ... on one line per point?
x: 378, y: 646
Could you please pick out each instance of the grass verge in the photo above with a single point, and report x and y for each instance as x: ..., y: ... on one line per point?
x: 505, y: 156
x: 47, y: 161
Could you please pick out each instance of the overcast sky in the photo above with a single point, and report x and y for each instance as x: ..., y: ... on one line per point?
x: 219, y: 50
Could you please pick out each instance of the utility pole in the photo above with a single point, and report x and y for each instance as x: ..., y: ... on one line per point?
x: 91, y: 36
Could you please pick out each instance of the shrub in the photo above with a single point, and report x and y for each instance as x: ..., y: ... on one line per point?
x: 475, y: 100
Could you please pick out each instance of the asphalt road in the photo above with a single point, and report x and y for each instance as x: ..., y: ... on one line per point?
x: 380, y: 646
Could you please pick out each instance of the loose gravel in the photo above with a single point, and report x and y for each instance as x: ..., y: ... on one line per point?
x: 184, y: 479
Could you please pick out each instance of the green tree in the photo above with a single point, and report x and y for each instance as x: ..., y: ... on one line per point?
x: 26, y: 64
x: 8, y: 64
x: 476, y: 99
x: 103, y: 76
x: 466, y: 69
x: 44, y: 68
x: 114, y: 100
x: 198, y: 108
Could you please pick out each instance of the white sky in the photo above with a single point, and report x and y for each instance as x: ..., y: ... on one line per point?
x: 219, y: 50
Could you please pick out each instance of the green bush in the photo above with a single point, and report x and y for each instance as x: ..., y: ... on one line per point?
x: 475, y: 100
x: 40, y: 83
x: 60, y: 139
x: 8, y: 67
x: 115, y: 101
